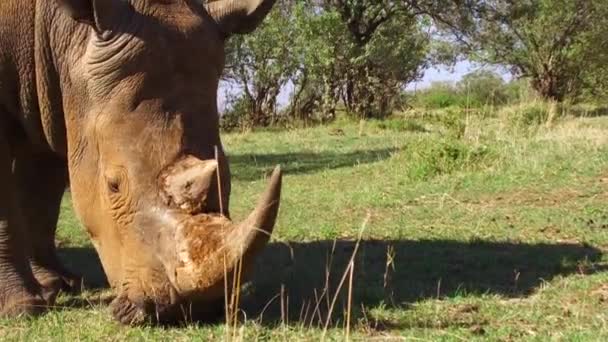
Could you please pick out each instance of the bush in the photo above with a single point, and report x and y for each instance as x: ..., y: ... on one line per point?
x: 438, y: 96
x: 520, y: 91
x: 236, y: 116
x: 402, y: 125
x: 430, y: 158
x: 476, y: 90
x: 453, y: 119
x: 483, y: 88
x: 530, y: 115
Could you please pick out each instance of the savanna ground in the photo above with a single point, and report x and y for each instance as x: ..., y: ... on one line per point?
x: 473, y: 227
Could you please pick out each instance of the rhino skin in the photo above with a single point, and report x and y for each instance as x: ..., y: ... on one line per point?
x: 119, y: 97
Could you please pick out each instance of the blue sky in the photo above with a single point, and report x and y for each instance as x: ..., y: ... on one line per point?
x: 440, y: 74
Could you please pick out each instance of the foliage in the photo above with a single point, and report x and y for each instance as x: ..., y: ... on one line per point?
x: 529, y: 116
x: 319, y: 40
x: 481, y: 88
x: 437, y: 96
x: 236, y: 115
x: 560, y: 45
x: 361, y: 55
x: 260, y: 65
x: 381, y: 59
x: 361, y: 52
x: 444, y: 156
x: 402, y: 125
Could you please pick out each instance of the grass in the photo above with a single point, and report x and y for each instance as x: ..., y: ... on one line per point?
x: 483, y: 234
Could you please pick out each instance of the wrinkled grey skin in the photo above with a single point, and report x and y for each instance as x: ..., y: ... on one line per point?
x: 119, y: 97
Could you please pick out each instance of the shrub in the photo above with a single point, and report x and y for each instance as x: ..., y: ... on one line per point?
x: 453, y: 119
x: 236, y: 115
x: 482, y: 88
x: 402, y: 125
x: 519, y: 91
x: 428, y: 158
x: 476, y: 90
x: 438, y: 96
x: 530, y: 115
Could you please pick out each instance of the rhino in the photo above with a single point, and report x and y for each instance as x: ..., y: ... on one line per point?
x: 119, y: 98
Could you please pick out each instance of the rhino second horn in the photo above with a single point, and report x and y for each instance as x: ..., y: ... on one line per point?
x: 186, y: 184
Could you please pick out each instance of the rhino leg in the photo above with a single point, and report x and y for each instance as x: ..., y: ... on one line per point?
x: 19, y: 291
x: 42, y: 179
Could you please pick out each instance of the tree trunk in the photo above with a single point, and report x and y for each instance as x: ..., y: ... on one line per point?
x: 549, y: 87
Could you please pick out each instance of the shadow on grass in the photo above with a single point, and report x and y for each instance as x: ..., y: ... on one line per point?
x: 416, y: 270
x: 253, y: 166
x: 85, y: 262
x: 393, y: 273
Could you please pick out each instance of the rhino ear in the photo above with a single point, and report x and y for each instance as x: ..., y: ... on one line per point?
x: 96, y: 13
x: 238, y: 16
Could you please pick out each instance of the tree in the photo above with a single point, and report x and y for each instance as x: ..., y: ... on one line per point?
x: 260, y: 65
x: 387, y: 49
x: 482, y: 88
x: 361, y: 52
x: 560, y: 45
x: 319, y: 42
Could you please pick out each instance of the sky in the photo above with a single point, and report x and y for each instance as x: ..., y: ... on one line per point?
x: 441, y: 74
x: 434, y: 74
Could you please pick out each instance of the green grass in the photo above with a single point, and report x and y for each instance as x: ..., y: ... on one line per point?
x: 484, y: 234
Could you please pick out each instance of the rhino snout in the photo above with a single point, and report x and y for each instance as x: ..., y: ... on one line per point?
x: 196, y: 252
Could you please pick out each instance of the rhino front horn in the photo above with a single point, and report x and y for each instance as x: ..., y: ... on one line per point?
x: 257, y: 228
x: 210, y: 246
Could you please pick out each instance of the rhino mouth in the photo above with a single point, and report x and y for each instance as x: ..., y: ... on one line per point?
x: 151, y: 311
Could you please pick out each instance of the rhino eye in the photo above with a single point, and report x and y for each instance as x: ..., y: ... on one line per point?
x: 114, y: 186
x: 115, y: 179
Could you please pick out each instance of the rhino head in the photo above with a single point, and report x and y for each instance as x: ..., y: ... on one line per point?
x: 149, y: 178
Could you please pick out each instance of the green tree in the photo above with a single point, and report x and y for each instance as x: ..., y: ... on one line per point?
x: 260, y: 64
x: 361, y: 52
x: 319, y: 42
x: 483, y: 88
x: 560, y: 45
x: 387, y: 49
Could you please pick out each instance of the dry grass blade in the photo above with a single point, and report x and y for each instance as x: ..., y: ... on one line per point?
x: 346, y: 273
x: 351, y: 267
x: 219, y: 180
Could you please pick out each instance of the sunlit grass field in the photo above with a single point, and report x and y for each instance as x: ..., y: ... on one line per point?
x: 472, y: 229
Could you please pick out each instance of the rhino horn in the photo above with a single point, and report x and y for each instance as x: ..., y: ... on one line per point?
x: 258, y: 227
x: 211, y: 247
x: 239, y: 16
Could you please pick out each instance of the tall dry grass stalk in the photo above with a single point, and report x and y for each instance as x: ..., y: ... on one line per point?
x: 226, y: 302
x: 219, y: 179
x: 551, y: 113
x: 388, y: 271
x: 231, y: 295
x: 232, y: 299
x: 236, y: 296
x: 349, y: 270
x: 361, y: 127
x: 349, y: 303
